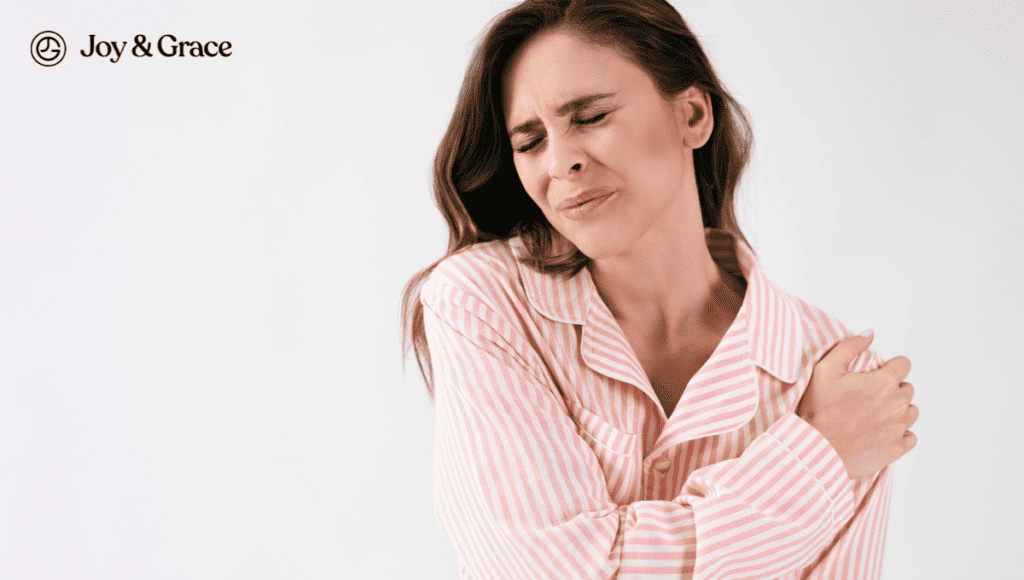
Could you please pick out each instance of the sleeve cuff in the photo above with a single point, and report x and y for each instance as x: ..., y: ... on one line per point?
x: 820, y: 459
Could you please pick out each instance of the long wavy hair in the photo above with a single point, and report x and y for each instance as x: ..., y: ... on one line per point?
x: 475, y: 184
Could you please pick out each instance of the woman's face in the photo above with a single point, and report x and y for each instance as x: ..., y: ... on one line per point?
x: 607, y: 159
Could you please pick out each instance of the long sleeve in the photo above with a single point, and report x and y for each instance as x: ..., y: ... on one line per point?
x: 856, y: 551
x: 521, y: 494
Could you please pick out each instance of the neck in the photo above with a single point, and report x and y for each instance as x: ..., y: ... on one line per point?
x: 668, y: 286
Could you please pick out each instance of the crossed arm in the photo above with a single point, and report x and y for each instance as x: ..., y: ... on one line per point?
x: 521, y: 494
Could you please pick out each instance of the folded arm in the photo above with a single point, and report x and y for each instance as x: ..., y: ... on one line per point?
x: 522, y: 495
x: 856, y: 550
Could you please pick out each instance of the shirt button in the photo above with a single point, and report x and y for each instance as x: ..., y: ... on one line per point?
x: 662, y: 465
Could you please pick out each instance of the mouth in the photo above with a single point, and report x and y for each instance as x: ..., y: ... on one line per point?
x: 582, y: 205
x: 587, y: 197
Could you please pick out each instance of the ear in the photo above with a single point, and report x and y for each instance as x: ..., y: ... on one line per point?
x: 695, y: 117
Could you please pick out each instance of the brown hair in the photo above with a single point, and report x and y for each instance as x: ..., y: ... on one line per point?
x: 476, y: 186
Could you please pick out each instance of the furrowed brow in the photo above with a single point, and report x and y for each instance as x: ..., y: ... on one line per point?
x: 581, y: 103
x: 568, y: 107
x: 527, y: 127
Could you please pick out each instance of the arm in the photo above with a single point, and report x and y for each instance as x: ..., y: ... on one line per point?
x: 856, y: 552
x: 521, y: 494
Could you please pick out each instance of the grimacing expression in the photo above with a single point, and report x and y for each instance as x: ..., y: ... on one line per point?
x: 602, y: 153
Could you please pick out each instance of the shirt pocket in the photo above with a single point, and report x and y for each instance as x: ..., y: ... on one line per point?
x: 617, y: 451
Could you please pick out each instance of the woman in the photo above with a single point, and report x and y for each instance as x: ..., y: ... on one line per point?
x: 619, y: 391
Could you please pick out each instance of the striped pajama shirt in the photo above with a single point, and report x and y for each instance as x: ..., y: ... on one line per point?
x: 554, y: 458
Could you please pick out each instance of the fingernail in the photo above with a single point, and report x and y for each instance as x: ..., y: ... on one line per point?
x: 867, y: 332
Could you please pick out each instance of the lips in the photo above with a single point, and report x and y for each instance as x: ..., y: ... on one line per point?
x: 586, y: 205
x: 584, y: 197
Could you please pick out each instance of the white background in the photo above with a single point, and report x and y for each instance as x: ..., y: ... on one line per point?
x: 201, y: 263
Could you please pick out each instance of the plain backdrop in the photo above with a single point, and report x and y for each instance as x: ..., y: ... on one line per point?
x: 201, y: 262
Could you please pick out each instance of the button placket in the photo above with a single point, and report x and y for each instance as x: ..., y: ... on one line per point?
x: 655, y: 469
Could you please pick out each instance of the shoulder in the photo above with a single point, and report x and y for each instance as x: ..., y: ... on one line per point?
x: 483, y: 275
x: 821, y: 331
x: 801, y: 326
x: 476, y: 297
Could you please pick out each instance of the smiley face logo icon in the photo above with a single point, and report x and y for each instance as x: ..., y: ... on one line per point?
x: 48, y: 48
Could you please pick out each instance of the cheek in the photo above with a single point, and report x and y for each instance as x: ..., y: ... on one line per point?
x: 659, y: 167
x: 660, y: 146
x: 530, y: 177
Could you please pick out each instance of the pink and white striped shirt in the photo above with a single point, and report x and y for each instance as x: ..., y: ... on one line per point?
x: 554, y: 458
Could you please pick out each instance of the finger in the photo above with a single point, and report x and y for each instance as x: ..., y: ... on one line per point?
x: 909, y: 441
x: 910, y: 417
x: 897, y: 368
x: 907, y: 390
x: 839, y: 357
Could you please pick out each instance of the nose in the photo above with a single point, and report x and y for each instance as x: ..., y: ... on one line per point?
x: 565, y: 159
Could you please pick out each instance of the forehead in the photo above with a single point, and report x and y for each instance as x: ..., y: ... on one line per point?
x: 556, y: 67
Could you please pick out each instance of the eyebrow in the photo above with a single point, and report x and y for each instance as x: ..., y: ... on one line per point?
x: 568, y: 107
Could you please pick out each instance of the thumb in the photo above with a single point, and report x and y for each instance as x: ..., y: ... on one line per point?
x: 838, y: 358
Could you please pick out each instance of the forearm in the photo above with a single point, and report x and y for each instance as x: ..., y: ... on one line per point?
x: 521, y: 494
x: 856, y: 551
x: 513, y: 513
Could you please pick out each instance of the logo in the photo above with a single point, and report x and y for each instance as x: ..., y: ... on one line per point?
x: 48, y: 48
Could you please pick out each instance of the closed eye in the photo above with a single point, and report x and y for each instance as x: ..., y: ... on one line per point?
x: 588, y: 121
x: 591, y: 120
x: 528, y: 146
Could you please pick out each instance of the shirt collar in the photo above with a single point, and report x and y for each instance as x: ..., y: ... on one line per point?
x: 773, y: 326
